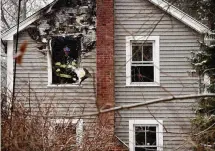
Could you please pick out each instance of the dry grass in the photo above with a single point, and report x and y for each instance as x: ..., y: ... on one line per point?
x: 23, y: 131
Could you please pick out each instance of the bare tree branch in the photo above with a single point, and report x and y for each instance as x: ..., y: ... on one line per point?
x: 14, y: 2
x: 3, y: 17
x: 167, y: 99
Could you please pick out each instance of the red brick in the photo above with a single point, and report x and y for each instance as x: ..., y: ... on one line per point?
x: 105, y: 56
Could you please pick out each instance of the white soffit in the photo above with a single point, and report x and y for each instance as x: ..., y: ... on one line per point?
x: 182, y: 16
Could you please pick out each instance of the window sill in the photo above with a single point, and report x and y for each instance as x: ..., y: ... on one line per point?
x: 153, y: 84
x: 64, y: 86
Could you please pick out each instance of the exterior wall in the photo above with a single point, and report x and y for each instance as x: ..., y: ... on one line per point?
x: 95, y: 92
x: 141, y: 18
x: 67, y: 100
x: 32, y: 74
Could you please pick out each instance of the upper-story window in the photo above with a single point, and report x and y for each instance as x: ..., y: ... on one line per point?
x: 145, y: 135
x: 142, y: 61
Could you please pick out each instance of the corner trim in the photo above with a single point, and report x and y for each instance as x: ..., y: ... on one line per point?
x: 10, y: 69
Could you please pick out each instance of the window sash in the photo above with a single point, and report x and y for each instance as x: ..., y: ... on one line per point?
x: 144, y: 146
x: 154, y: 42
x: 142, y: 65
x: 141, y: 43
x: 142, y: 74
x: 147, y: 43
x: 142, y: 62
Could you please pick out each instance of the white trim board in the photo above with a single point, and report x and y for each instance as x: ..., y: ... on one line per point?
x: 181, y: 16
x: 10, y: 67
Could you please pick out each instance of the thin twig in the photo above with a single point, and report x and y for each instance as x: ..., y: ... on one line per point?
x: 205, y: 129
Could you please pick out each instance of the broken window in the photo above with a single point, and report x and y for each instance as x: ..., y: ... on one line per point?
x: 65, y: 59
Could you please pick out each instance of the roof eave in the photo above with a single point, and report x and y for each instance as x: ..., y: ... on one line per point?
x: 181, y: 16
x: 167, y: 7
x: 8, y: 35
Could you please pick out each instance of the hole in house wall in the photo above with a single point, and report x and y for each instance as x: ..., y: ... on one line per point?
x: 65, y: 59
x: 68, y: 25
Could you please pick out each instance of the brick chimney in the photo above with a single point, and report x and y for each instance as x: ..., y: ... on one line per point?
x: 105, y: 57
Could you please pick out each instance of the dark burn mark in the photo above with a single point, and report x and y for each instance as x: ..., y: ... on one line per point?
x: 72, y: 24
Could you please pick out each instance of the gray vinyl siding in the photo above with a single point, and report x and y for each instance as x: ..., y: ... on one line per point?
x: 139, y: 18
x: 65, y: 100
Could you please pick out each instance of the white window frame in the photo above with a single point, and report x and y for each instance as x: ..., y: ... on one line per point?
x: 49, y: 64
x: 79, y: 127
x: 159, y: 132
x: 156, y: 59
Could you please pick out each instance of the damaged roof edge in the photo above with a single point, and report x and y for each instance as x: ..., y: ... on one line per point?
x: 8, y: 35
x: 182, y: 16
x: 165, y: 6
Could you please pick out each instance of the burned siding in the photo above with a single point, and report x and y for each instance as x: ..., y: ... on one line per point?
x: 141, y: 18
x: 77, y: 20
x: 68, y: 31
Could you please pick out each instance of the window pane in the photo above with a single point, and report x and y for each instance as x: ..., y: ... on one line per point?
x: 142, y: 52
x: 145, y: 148
x: 140, y: 135
x: 147, y: 52
x: 142, y: 74
x: 150, y: 135
x: 136, y: 52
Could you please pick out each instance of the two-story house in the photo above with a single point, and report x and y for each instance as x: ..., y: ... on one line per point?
x: 88, y: 55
